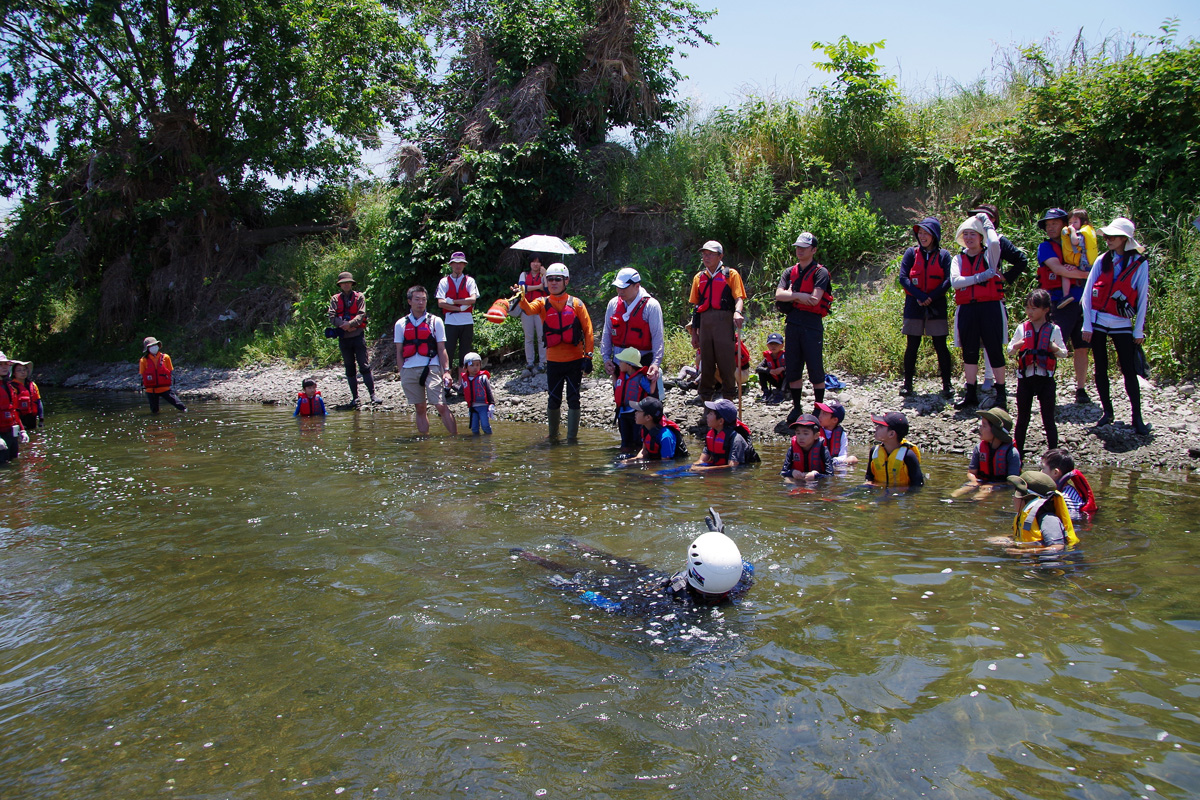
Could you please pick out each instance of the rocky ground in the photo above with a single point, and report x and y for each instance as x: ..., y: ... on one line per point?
x: 1172, y: 411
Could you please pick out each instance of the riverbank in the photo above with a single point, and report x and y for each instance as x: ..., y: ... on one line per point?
x: 1172, y: 411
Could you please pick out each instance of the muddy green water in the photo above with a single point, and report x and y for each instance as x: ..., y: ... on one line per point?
x: 234, y: 604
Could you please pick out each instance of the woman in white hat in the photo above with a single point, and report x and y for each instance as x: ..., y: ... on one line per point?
x: 12, y: 433
x: 1114, y: 307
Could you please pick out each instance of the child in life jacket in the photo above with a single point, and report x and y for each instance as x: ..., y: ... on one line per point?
x: 630, y: 386
x: 771, y: 370
x: 156, y: 369
x: 727, y: 444
x: 994, y: 458
x: 1081, y: 502
x: 661, y: 438
x: 807, y: 458
x: 831, y: 415
x: 1037, y: 344
x: 29, y: 398
x: 1042, y: 523
x: 309, y: 402
x: 477, y: 392
x: 1079, y: 246
x: 895, y: 462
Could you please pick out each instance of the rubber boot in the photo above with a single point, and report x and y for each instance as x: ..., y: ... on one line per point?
x: 970, y: 397
x: 1001, y: 396
x: 906, y: 389
x: 1139, y: 426
x: 554, y: 416
x: 573, y: 424
x: 947, y: 389
x: 1106, y: 406
x: 797, y: 406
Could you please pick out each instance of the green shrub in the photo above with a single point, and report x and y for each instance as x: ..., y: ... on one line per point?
x: 848, y: 230
x: 737, y: 209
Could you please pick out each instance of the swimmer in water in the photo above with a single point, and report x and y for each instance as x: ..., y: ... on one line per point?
x: 715, y: 574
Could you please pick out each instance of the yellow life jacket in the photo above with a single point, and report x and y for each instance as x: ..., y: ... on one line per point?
x: 889, y: 468
x: 1027, y: 529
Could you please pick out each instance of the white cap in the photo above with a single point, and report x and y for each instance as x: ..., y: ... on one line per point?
x: 625, y: 277
x: 714, y: 245
x: 470, y: 358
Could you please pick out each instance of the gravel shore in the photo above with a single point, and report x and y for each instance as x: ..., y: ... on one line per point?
x: 1172, y: 411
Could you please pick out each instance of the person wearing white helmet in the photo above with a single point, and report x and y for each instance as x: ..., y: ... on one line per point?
x: 12, y: 432
x: 567, y: 329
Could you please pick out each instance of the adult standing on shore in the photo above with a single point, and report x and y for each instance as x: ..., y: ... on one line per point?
x: 348, y: 311
x: 1114, y: 307
x: 925, y: 277
x: 421, y: 357
x: 1066, y: 310
x: 569, y: 344
x: 979, y: 295
x: 805, y: 291
x: 633, y: 319
x: 717, y: 297
x: 1017, y: 262
x: 456, y: 296
x: 533, y: 283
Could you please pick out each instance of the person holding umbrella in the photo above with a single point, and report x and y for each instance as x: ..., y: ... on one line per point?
x: 535, y: 287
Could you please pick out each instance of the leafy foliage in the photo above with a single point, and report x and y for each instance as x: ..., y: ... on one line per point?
x: 847, y: 229
x: 737, y: 209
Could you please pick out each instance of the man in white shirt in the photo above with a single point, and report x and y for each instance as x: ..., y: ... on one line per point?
x: 424, y: 365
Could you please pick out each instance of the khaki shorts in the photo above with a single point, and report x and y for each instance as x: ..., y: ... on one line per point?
x: 432, y: 393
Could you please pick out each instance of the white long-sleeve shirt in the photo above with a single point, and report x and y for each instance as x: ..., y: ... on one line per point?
x: 992, y: 248
x: 1111, y: 322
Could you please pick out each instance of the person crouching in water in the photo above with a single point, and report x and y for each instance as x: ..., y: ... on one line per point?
x: 29, y: 399
x: 308, y: 401
x: 808, y: 457
x: 895, y: 462
x: 727, y: 444
x: 156, y: 371
x: 1042, y: 523
x: 831, y: 416
x: 631, y: 385
x: 477, y: 392
x: 662, y: 440
x: 994, y: 460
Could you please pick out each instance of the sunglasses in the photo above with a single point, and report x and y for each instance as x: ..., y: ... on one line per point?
x: 555, y: 278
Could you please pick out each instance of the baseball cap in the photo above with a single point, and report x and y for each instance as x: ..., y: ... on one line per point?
x: 714, y: 245
x: 805, y: 239
x: 775, y: 338
x: 725, y: 408
x: 1051, y: 213
x: 471, y: 357
x: 458, y: 255
x: 835, y: 408
x: 893, y: 420
x: 806, y: 421
x: 625, y: 277
x: 652, y: 406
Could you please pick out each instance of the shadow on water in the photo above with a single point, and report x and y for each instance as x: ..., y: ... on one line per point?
x: 235, y: 603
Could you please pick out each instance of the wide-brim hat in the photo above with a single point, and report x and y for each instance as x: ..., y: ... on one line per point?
x: 149, y: 342
x: 458, y: 257
x: 1122, y: 226
x: 25, y: 364
x: 346, y: 277
x: 1033, y: 484
x: 630, y: 355
x: 4, y: 359
x: 1000, y: 420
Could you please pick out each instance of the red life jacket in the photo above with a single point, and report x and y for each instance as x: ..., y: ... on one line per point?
x: 718, y: 444
x: 8, y: 406
x: 743, y: 355
x: 35, y: 393
x: 821, y: 309
x: 533, y: 290
x: 308, y: 407
x: 715, y: 292
x: 629, y: 389
x: 25, y: 403
x: 927, y: 271
x: 457, y: 294
x: 1105, y: 289
x: 418, y: 339
x: 992, y: 289
x: 1035, y: 348
x: 652, y: 443
x: 635, y: 332
x: 349, y: 310
x: 993, y: 465
x: 1047, y: 279
x: 833, y: 439
x: 158, y: 376
x: 561, y: 327
x: 474, y: 388
x: 1076, y: 479
x: 814, y: 458
x: 773, y: 360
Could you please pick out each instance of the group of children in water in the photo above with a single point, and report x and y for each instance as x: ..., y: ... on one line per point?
x: 21, y: 408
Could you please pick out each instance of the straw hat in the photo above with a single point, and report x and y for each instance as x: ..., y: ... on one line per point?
x: 1123, y: 227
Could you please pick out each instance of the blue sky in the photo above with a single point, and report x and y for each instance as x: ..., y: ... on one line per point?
x: 766, y: 45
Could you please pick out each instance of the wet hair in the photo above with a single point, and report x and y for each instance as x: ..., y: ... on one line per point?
x: 1038, y: 298
x: 1084, y: 219
x: 1058, y: 459
x: 307, y: 383
x: 414, y: 289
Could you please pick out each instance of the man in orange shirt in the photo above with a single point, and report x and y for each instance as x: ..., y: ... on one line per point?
x: 717, y: 296
x: 567, y: 329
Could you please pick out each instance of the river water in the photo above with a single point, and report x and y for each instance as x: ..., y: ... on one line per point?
x: 232, y: 603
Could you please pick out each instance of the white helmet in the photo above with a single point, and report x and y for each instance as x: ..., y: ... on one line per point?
x: 557, y: 270
x: 714, y: 563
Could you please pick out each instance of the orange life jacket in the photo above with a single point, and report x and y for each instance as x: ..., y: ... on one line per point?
x: 992, y: 289
x: 993, y: 464
x: 309, y: 407
x: 158, y: 376
x: 458, y: 293
x: 561, y: 327
x: 806, y: 281
x: 8, y: 406
x: 815, y: 457
x: 1035, y: 347
x: 652, y: 443
x: 533, y: 291
x: 927, y: 271
x: 629, y: 389
x: 635, y: 332
x: 25, y: 401
x: 833, y: 439
x: 1076, y: 479
x: 348, y: 310
x: 774, y: 360
x: 1046, y: 278
x: 719, y: 444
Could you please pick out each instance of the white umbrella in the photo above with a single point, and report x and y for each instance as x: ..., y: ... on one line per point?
x: 544, y: 244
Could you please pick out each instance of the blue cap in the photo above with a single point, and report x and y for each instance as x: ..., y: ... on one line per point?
x: 725, y: 408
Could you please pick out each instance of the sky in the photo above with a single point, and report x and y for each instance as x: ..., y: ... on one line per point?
x: 765, y: 46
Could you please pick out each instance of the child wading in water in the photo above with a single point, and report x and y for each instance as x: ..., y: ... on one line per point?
x: 808, y: 458
x: 29, y: 401
x: 661, y: 438
x: 632, y: 384
x: 1038, y: 344
x: 994, y: 459
x: 1042, y: 523
x: 477, y: 392
x: 156, y: 369
x: 895, y: 462
x: 309, y: 402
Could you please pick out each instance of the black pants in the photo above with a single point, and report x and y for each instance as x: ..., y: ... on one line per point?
x: 560, y: 374
x: 939, y: 347
x: 631, y: 433
x: 1042, y: 387
x: 458, y: 344
x: 768, y: 381
x: 354, y: 349
x: 805, y: 347
x: 982, y: 322
x: 1126, y: 359
x: 169, y: 396
x: 13, y: 443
